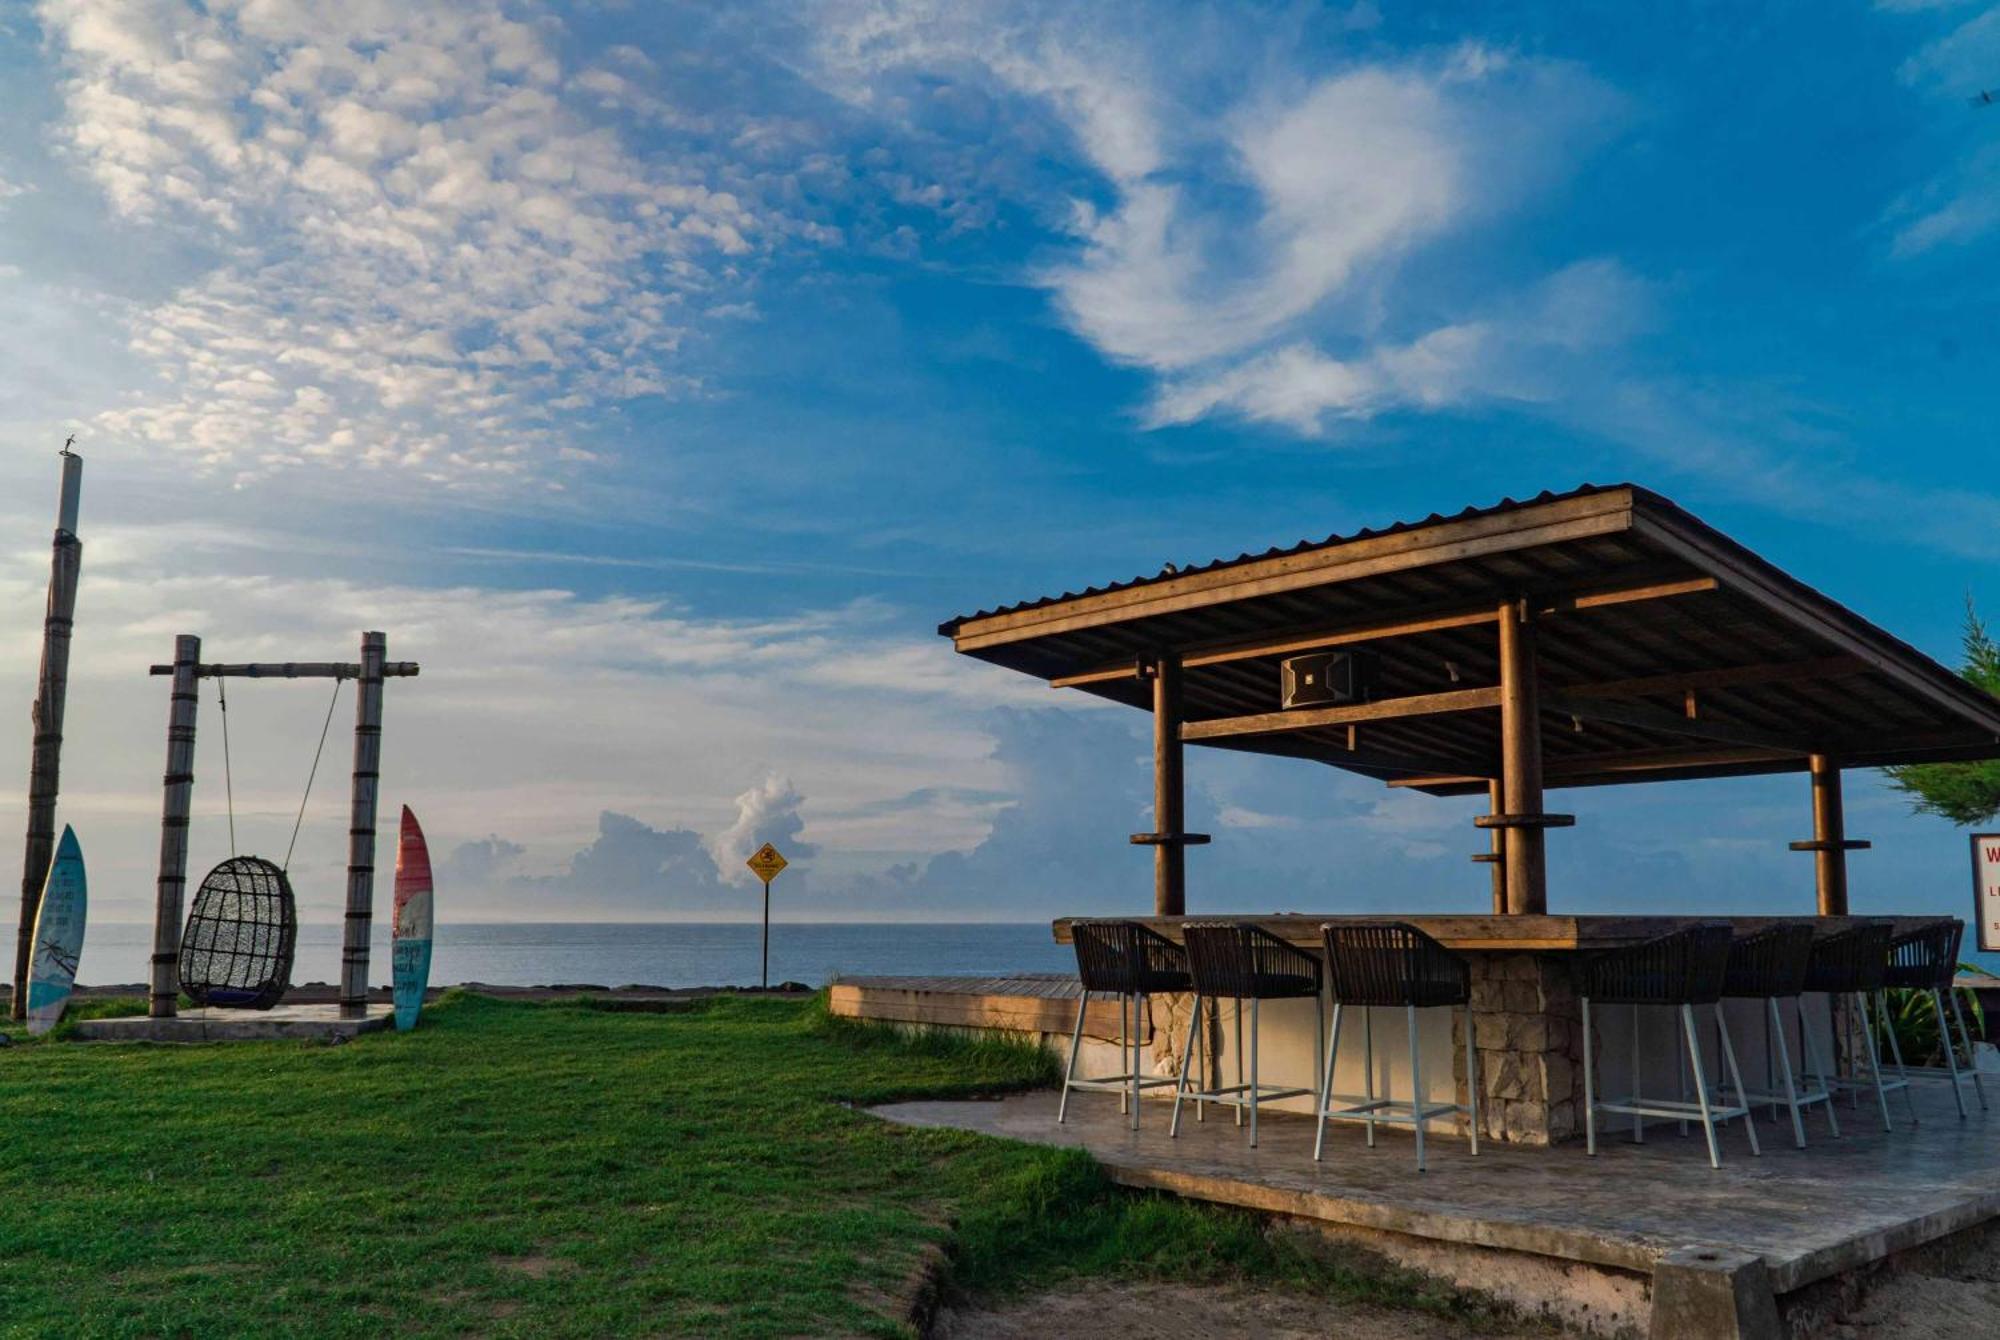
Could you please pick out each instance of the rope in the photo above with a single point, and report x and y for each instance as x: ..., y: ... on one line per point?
x: 324, y: 727
x: 228, y: 778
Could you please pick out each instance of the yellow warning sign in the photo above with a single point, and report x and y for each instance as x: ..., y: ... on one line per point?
x: 765, y: 863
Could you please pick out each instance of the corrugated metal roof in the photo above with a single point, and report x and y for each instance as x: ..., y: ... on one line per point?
x: 1170, y: 571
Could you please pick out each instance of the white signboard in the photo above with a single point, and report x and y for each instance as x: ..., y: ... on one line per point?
x: 1986, y: 889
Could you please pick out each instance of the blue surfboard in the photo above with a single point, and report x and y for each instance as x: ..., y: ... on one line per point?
x: 58, y: 935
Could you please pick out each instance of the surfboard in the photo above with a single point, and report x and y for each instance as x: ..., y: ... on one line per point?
x: 58, y: 935
x: 410, y: 948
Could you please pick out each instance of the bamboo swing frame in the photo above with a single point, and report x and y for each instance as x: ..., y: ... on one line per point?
x: 187, y: 671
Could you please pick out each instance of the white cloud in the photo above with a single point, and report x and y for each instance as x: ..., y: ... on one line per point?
x: 423, y: 233
x: 1961, y: 203
x: 767, y: 812
x: 1233, y: 234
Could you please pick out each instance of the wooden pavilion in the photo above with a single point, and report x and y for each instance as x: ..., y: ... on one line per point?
x: 1577, y: 639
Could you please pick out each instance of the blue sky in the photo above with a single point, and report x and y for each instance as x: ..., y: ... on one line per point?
x: 661, y: 375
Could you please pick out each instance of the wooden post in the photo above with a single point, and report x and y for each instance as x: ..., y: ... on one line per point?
x: 361, y: 826
x: 1829, y: 836
x: 1521, y: 764
x: 1169, y: 791
x: 45, y: 763
x: 179, y: 782
x: 1497, y: 849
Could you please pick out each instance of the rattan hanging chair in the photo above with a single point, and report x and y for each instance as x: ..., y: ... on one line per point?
x: 241, y: 929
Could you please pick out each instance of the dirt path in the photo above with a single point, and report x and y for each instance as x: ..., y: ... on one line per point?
x: 1103, y: 1310
x: 1957, y: 1302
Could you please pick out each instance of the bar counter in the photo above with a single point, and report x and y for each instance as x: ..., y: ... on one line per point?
x: 1528, y: 1021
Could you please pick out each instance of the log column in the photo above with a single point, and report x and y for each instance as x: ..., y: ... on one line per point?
x: 1830, y: 843
x: 1494, y: 858
x: 179, y: 782
x: 361, y: 827
x: 1521, y: 765
x: 1169, y: 840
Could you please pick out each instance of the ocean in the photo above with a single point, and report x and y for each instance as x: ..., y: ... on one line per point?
x: 650, y: 953
x: 661, y: 953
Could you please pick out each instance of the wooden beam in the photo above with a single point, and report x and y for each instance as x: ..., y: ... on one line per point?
x: 1309, y: 718
x: 1496, y: 853
x: 1669, y: 723
x: 1521, y: 763
x: 1748, y: 576
x: 1605, y: 513
x: 295, y: 670
x: 1728, y: 677
x: 1429, y: 619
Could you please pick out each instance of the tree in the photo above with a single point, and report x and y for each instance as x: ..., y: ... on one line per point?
x: 1965, y: 793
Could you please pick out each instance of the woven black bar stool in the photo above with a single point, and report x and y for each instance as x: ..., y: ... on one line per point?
x: 1127, y: 960
x: 1391, y: 963
x: 1239, y: 961
x: 1853, y: 963
x: 1682, y: 970
x: 1770, y: 965
x: 1926, y: 960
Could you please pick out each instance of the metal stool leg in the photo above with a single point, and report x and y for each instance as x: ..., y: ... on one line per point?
x: 1895, y: 1049
x: 1965, y: 1035
x: 1204, y: 1062
x: 1950, y: 1048
x: 1774, y: 1036
x: 1736, y: 1078
x: 1236, y: 1011
x: 1638, y: 1122
x: 1138, y: 1051
x: 1471, y: 1080
x: 1700, y: 1085
x: 1187, y: 1068
x: 1368, y: 1056
x: 1589, y: 1086
x: 1124, y: 1045
x: 1822, y: 1072
x: 1075, y: 1046
x: 1326, y: 1083
x: 1416, y: 1086
x: 1253, y: 1072
x: 1875, y: 1067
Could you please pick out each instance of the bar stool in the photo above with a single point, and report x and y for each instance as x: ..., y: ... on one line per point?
x: 1853, y: 963
x: 1390, y: 963
x: 1926, y: 960
x: 1239, y: 961
x: 1130, y: 961
x: 1684, y: 969
x: 1770, y: 965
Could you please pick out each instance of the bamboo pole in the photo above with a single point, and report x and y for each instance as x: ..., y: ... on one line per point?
x: 179, y: 787
x: 1521, y: 763
x: 361, y: 827
x: 51, y: 687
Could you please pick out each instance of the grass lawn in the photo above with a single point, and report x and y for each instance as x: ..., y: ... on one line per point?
x: 552, y: 1170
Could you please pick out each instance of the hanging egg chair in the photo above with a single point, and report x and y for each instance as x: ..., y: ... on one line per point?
x: 241, y: 929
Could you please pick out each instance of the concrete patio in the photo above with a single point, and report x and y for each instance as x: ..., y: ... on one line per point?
x: 1644, y: 1238
x: 296, y: 1022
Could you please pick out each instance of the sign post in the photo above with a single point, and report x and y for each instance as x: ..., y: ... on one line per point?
x: 1986, y: 890
x: 765, y: 863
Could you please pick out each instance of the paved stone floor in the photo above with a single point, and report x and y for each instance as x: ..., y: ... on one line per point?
x: 303, y: 1022
x: 1809, y: 1213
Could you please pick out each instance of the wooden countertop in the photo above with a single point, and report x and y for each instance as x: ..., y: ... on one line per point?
x: 1537, y: 934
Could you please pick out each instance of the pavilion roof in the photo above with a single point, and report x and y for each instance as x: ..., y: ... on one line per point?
x: 1666, y: 650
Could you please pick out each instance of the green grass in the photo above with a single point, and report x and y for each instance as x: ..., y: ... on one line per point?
x: 552, y: 1170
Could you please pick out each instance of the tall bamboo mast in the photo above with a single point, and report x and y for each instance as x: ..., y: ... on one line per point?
x: 361, y: 826
x: 45, y: 765
x: 179, y: 792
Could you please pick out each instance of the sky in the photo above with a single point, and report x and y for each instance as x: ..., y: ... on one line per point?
x: 660, y: 375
